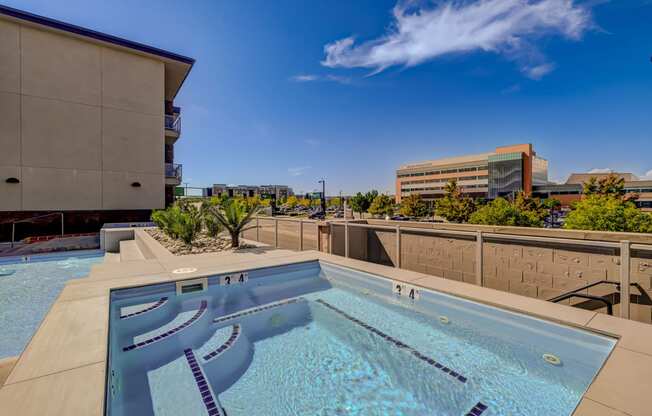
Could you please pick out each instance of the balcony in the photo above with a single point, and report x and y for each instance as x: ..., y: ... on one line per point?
x: 173, y: 124
x: 173, y: 173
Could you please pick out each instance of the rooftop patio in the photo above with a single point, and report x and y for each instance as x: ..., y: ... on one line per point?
x: 62, y: 370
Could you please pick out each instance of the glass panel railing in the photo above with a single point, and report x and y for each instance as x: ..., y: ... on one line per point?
x: 173, y: 170
x: 173, y: 122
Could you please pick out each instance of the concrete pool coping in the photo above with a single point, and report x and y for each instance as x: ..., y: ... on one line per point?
x: 62, y: 369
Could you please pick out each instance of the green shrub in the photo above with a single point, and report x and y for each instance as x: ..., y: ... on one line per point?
x: 180, y: 221
x: 502, y: 212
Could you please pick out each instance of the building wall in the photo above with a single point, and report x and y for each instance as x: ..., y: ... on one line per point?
x: 81, y: 122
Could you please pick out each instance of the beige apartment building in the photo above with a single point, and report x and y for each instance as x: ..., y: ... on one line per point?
x: 88, y: 123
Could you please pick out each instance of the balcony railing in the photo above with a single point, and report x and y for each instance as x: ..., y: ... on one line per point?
x: 173, y: 170
x: 173, y: 122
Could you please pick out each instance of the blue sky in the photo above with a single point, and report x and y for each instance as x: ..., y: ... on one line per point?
x: 291, y: 91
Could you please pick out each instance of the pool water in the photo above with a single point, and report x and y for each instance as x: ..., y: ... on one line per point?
x: 317, y: 339
x: 28, y: 289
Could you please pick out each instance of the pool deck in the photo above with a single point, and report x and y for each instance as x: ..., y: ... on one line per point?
x: 62, y: 370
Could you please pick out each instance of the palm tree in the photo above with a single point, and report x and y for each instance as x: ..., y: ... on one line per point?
x: 234, y: 215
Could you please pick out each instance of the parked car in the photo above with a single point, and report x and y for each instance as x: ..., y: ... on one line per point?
x: 317, y: 215
x: 400, y: 218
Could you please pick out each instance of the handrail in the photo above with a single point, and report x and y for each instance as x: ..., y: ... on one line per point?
x: 608, y: 303
x: 590, y: 285
x: 13, y: 224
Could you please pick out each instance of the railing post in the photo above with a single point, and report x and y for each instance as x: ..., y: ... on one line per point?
x: 624, y: 278
x: 62, y: 224
x: 300, y: 235
x: 346, y: 238
x: 276, y: 232
x: 330, y: 238
x: 478, y: 258
x: 13, y: 234
x: 398, y: 247
x: 257, y: 229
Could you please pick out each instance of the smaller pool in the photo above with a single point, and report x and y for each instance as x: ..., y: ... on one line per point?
x: 28, y: 287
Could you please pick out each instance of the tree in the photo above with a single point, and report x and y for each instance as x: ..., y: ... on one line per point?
x: 234, y: 216
x: 382, y: 205
x: 590, y: 187
x: 605, y: 207
x: 292, y: 202
x: 607, y: 213
x: 316, y: 202
x: 610, y: 185
x: 533, y: 206
x: 335, y: 202
x: 454, y: 206
x: 502, y: 212
x: 359, y: 203
x: 413, y: 206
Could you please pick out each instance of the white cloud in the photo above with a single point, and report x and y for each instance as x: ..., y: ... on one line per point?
x: 313, y: 77
x: 648, y: 175
x: 419, y: 33
x: 304, y: 78
x: 298, y: 171
x: 539, y: 71
x: 601, y: 170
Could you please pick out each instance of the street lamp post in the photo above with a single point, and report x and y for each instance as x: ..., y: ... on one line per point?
x: 323, y: 195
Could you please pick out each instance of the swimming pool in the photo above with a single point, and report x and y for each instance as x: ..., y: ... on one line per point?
x: 320, y: 339
x: 28, y: 286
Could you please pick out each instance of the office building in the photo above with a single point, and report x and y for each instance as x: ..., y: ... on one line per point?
x: 264, y: 191
x: 507, y: 170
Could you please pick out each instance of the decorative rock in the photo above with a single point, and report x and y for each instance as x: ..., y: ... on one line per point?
x: 203, y: 244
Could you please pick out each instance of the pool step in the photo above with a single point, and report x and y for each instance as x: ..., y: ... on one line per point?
x: 129, y: 251
x: 182, y: 326
x: 226, y: 363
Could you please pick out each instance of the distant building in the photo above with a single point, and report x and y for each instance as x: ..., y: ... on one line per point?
x: 571, y: 190
x: 264, y: 191
x: 507, y: 170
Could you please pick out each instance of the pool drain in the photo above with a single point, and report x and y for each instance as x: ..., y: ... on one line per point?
x: 551, y: 359
x: 444, y: 319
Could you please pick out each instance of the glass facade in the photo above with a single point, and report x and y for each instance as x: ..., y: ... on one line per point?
x: 505, y: 174
x: 539, y: 171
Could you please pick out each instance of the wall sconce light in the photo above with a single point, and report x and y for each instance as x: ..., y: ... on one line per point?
x: 135, y: 184
x: 12, y: 180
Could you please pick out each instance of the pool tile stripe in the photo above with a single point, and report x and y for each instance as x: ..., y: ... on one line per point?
x: 196, y: 316
x: 397, y: 343
x: 256, y: 310
x: 235, y: 334
x: 477, y: 410
x: 157, y: 305
x: 204, y: 388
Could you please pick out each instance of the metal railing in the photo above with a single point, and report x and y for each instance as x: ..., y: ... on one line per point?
x: 27, y: 220
x: 173, y: 122
x: 174, y: 170
x: 300, y: 235
x: 624, y: 247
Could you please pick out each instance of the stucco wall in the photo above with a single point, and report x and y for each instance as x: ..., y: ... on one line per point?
x: 81, y: 122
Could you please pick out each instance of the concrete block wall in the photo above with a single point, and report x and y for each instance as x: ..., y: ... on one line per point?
x: 537, y: 270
